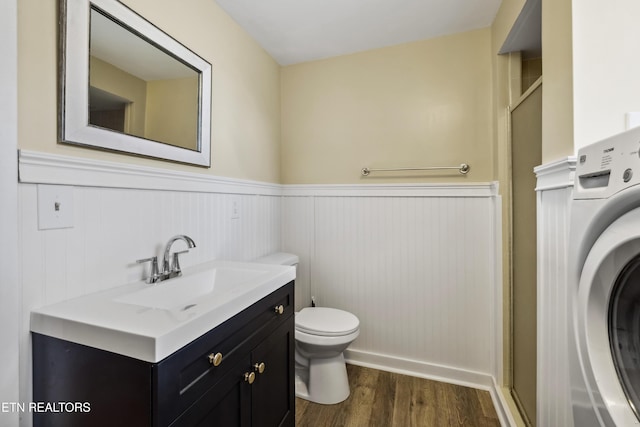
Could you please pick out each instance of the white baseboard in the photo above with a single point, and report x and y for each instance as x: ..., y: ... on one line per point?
x: 431, y: 371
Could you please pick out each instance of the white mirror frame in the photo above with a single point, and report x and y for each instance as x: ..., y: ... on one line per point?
x: 74, y: 125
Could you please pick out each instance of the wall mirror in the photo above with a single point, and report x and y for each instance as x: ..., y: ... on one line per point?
x: 127, y: 86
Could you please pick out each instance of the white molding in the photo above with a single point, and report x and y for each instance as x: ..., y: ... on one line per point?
x: 482, y: 189
x: 446, y: 374
x: 556, y: 175
x: 46, y: 168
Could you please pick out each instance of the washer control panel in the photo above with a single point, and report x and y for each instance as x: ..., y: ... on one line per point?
x: 608, y: 166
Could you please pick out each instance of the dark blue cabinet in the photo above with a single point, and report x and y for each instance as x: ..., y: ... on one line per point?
x: 240, y: 373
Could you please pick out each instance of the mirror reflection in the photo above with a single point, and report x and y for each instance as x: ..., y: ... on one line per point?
x: 139, y: 89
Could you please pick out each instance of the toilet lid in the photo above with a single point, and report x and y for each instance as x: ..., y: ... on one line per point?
x: 326, y: 321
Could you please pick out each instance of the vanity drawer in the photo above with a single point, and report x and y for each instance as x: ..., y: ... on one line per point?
x: 186, y: 375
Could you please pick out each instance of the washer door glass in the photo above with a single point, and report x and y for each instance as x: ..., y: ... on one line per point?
x: 624, y: 330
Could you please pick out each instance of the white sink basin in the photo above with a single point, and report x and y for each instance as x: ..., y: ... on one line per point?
x: 186, y: 291
x: 151, y: 321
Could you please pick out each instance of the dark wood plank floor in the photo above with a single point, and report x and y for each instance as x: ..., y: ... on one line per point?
x: 386, y: 399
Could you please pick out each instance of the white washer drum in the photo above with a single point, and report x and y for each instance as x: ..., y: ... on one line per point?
x: 608, y: 321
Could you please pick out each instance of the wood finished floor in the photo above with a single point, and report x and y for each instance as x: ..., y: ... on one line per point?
x: 385, y: 399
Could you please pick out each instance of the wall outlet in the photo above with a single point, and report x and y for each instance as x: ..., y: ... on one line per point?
x: 235, y: 209
x: 632, y: 119
x: 55, y: 206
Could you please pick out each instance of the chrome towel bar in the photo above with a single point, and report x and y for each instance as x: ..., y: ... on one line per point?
x: 463, y: 169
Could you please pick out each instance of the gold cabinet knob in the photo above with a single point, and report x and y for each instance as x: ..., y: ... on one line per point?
x: 250, y: 377
x: 215, y: 359
x: 259, y: 367
x: 279, y: 309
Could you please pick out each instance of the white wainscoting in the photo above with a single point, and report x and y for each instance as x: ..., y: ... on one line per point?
x: 554, y: 190
x: 418, y: 265
x: 113, y: 227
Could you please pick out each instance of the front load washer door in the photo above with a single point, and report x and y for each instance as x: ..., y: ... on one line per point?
x: 607, y: 322
x: 624, y: 330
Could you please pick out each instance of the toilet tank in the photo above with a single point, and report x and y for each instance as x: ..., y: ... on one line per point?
x: 283, y: 258
x: 279, y: 258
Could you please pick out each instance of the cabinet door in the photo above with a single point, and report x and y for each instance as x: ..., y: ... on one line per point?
x: 185, y: 376
x: 273, y: 395
x: 117, y: 388
x: 228, y: 403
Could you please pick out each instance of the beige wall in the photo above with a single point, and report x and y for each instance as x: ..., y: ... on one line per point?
x: 557, y: 72
x: 161, y: 110
x: 605, y: 67
x: 172, y: 111
x: 245, y: 85
x: 426, y: 103
x: 108, y: 78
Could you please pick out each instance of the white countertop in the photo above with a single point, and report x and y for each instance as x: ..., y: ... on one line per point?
x: 128, y: 320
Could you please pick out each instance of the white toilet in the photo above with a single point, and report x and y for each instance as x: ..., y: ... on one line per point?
x: 321, y: 335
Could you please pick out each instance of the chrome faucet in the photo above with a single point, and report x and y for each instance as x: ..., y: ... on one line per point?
x: 169, y: 268
x: 175, y: 267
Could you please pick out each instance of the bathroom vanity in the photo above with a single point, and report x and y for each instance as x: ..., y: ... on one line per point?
x: 238, y: 373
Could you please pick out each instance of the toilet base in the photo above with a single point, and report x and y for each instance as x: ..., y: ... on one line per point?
x: 324, y: 381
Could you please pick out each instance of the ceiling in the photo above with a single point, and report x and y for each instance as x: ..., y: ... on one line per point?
x: 294, y: 31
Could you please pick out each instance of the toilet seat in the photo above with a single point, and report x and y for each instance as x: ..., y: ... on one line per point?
x: 326, y: 322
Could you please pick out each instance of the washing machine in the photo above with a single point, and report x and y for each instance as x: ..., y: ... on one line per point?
x: 604, y: 282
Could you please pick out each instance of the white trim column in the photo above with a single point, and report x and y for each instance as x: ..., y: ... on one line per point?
x: 554, y: 192
x: 9, y: 280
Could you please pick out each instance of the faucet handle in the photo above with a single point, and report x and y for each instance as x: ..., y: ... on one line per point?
x: 176, y: 262
x: 153, y: 276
